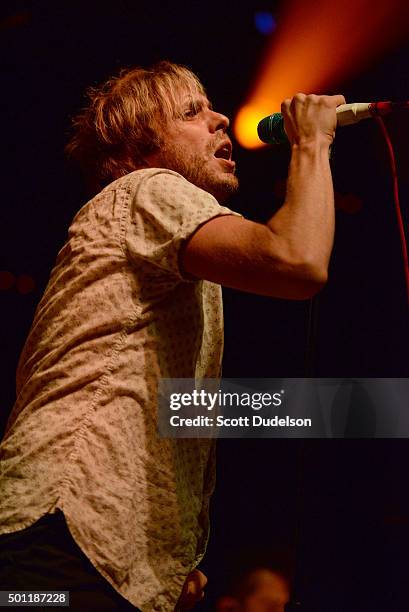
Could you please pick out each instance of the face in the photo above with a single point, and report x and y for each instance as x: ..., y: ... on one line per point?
x: 270, y: 595
x: 196, y: 145
x: 269, y: 592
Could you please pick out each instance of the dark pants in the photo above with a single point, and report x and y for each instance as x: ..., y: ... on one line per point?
x: 45, y: 556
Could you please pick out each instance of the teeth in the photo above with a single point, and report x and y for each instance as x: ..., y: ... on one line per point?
x: 223, y: 152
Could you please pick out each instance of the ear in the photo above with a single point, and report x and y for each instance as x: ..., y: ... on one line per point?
x: 227, y: 604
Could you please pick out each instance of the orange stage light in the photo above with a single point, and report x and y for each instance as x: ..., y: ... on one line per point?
x: 316, y: 45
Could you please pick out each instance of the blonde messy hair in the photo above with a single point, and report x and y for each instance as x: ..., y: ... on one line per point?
x: 125, y: 118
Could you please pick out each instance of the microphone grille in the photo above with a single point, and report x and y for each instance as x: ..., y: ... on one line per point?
x: 271, y: 129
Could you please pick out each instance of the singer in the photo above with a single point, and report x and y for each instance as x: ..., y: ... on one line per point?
x: 93, y: 501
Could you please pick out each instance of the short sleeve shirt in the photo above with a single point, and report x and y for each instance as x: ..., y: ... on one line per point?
x: 117, y: 315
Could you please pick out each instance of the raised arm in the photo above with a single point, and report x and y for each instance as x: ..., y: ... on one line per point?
x: 288, y: 256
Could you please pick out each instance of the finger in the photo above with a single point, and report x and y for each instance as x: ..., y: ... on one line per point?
x: 340, y: 99
x: 285, y: 105
x: 197, y: 578
x: 202, y: 579
x: 336, y: 100
x: 299, y: 98
x: 189, y: 599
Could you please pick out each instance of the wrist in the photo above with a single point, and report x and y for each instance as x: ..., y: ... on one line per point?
x: 319, y: 143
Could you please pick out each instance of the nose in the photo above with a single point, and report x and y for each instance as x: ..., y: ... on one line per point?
x: 218, y: 121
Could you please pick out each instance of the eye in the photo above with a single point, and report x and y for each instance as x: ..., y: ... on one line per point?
x: 191, y: 111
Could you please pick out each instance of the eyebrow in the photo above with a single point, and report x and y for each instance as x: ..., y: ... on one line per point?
x: 199, y: 103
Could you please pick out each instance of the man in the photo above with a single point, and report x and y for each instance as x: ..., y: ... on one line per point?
x: 261, y: 589
x: 93, y: 500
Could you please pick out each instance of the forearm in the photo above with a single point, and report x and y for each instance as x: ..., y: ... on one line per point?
x: 306, y: 221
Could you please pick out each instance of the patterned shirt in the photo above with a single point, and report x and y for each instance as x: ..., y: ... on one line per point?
x: 118, y: 314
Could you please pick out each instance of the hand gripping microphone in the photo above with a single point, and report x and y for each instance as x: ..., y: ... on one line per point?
x: 271, y: 129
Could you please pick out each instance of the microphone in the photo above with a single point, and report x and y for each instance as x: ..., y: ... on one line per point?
x: 271, y: 129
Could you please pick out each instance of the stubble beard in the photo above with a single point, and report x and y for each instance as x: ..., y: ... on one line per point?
x: 195, y: 168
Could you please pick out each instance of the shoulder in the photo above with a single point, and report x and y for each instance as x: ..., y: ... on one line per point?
x: 160, y: 182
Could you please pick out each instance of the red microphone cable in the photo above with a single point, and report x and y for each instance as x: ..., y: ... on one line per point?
x: 398, y: 211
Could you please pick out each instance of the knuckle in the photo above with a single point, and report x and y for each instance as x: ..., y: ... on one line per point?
x: 313, y: 98
x: 299, y: 97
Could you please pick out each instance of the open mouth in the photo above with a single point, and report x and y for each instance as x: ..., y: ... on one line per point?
x: 224, y: 151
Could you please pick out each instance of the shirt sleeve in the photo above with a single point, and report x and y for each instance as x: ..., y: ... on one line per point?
x: 166, y: 210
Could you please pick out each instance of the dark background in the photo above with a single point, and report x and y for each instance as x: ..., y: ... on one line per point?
x: 346, y: 499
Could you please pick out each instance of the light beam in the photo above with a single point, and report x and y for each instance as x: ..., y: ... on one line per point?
x: 316, y: 45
